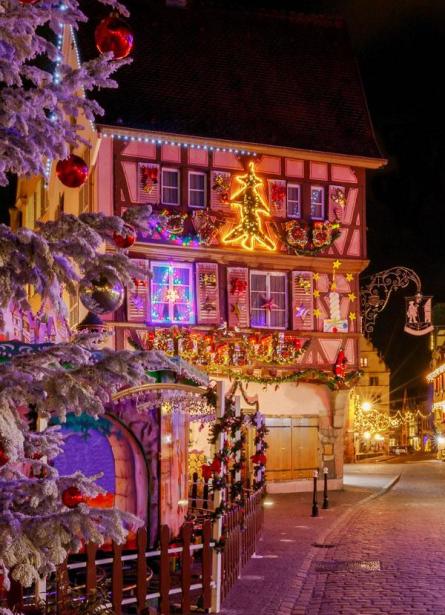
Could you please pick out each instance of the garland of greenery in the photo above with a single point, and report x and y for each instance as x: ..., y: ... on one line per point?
x: 306, y: 375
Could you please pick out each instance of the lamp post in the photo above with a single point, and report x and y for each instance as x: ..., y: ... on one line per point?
x: 325, y: 489
x: 314, y: 496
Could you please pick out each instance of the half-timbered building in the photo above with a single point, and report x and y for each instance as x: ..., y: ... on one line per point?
x: 248, y: 133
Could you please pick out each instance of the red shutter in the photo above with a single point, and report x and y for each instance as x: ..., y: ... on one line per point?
x: 277, y: 197
x: 238, y: 293
x: 302, y: 301
x: 220, y: 191
x: 137, y: 294
x: 149, y: 180
x: 207, y: 293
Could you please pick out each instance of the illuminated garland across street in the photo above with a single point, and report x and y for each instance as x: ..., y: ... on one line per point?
x: 437, y: 372
x: 374, y: 421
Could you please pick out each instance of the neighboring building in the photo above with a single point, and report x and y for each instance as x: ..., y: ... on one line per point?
x: 249, y: 134
x: 370, y: 399
x: 437, y: 376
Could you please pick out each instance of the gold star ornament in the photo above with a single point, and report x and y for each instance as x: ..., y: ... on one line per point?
x: 352, y: 316
x: 351, y: 297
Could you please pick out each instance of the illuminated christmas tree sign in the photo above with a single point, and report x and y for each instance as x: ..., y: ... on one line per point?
x: 249, y: 231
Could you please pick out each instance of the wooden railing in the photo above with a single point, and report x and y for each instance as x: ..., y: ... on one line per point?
x: 175, y: 578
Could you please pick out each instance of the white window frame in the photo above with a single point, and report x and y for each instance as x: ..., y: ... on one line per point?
x: 323, y: 202
x: 171, y: 286
x: 203, y: 191
x: 170, y: 170
x: 269, y: 275
x: 288, y: 200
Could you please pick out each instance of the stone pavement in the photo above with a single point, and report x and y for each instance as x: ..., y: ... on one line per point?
x: 403, y: 534
x: 274, y: 580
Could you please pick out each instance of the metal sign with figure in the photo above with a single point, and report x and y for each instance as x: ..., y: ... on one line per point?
x: 418, y: 315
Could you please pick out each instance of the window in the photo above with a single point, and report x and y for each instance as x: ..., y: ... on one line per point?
x: 363, y: 361
x: 317, y: 202
x: 268, y: 299
x: 373, y: 381
x: 293, y: 200
x: 197, y: 189
x: 172, y: 298
x: 170, y: 186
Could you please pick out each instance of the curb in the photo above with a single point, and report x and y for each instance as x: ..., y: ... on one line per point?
x: 301, y: 599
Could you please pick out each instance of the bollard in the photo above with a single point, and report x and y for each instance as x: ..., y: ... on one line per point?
x: 325, y: 489
x: 314, y: 497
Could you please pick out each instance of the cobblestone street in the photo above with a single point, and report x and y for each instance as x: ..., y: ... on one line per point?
x: 387, y: 556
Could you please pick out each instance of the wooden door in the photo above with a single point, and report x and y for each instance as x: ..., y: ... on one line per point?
x: 293, y: 447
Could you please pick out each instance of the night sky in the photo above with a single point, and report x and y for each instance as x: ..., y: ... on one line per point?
x: 400, y: 51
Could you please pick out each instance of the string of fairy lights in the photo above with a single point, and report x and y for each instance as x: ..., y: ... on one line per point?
x: 370, y: 420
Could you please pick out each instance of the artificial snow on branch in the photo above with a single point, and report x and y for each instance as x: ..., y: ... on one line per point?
x: 40, y: 107
x: 60, y: 252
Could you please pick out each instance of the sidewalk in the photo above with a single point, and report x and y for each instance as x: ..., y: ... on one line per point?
x: 272, y: 580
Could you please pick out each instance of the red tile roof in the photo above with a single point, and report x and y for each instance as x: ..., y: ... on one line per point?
x: 244, y: 75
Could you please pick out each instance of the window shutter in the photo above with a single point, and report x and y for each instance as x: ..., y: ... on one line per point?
x: 337, y: 202
x: 238, y: 294
x: 220, y: 191
x: 207, y: 293
x: 137, y: 294
x: 302, y: 301
x: 277, y: 197
x: 148, y: 182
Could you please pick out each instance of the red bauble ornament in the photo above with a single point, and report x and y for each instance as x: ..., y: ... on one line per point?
x: 125, y: 241
x: 113, y: 34
x: 3, y: 458
x: 73, y: 171
x: 72, y: 497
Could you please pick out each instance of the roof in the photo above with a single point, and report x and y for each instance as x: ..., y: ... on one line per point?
x: 252, y: 76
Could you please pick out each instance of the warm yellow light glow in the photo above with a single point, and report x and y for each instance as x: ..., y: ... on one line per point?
x: 378, y: 437
x: 440, y: 440
x: 249, y: 231
x: 366, y: 406
x: 183, y: 502
x: 437, y: 372
x: 367, y: 435
x: 268, y: 502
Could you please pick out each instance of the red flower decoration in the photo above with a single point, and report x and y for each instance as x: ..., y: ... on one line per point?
x: 206, y: 472
x: 259, y: 459
x: 216, y: 465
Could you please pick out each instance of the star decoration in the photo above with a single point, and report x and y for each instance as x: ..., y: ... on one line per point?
x: 301, y: 311
x: 352, y: 316
x: 349, y: 277
x: 316, y: 276
x: 208, y: 306
x: 317, y: 312
x: 336, y: 264
x: 137, y: 301
x: 333, y: 286
x: 269, y: 304
x: 351, y: 297
x: 234, y: 308
x: 316, y: 293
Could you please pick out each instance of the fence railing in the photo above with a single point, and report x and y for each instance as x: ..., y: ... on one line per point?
x: 175, y: 578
